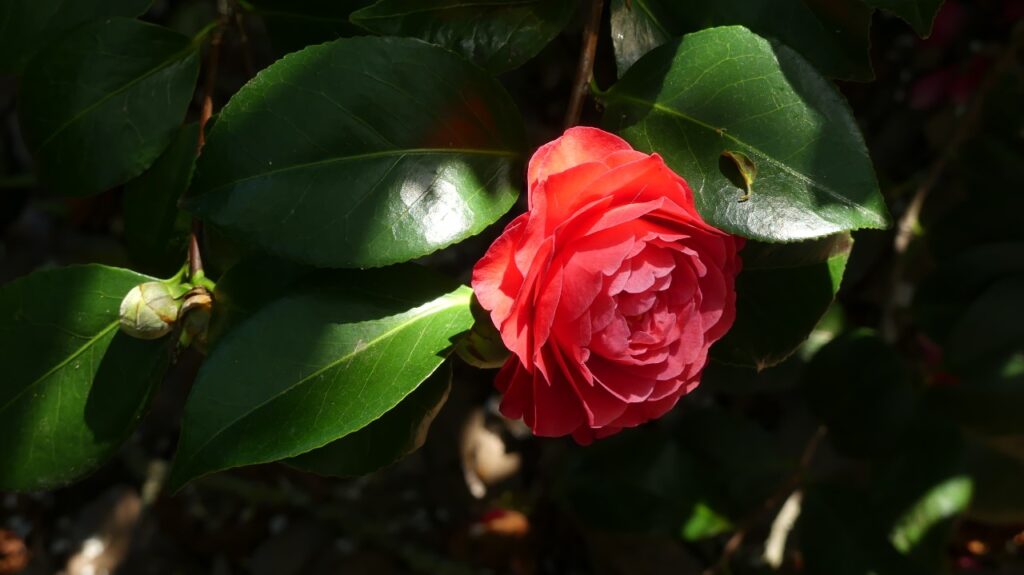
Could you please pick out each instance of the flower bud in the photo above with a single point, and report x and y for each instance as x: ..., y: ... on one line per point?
x: 150, y: 310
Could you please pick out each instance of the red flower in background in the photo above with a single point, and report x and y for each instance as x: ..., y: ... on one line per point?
x: 608, y: 291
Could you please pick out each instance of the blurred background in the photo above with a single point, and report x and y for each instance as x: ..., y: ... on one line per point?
x: 891, y: 442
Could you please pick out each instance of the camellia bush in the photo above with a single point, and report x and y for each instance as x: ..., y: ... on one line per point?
x: 692, y: 217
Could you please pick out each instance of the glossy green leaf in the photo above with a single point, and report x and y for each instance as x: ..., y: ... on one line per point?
x: 155, y: 229
x: 361, y: 152
x: 834, y: 35
x: 728, y: 89
x: 316, y: 366
x: 497, y: 34
x: 28, y: 25
x: 396, y: 434
x: 295, y: 24
x: 781, y: 294
x: 918, y: 13
x: 860, y: 389
x: 73, y: 386
x: 100, y: 105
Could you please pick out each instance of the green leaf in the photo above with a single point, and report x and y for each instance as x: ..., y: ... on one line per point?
x: 499, y: 35
x: 74, y: 387
x: 918, y: 13
x: 316, y: 366
x: 834, y: 35
x: 727, y: 89
x: 28, y: 25
x: 987, y: 399
x: 361, y: 152
x: 396, y: 434
x: 155, y: 229
x: 860, y: 389
x: 100, y: 105
x: 295, y: 24
x: 782, y: 293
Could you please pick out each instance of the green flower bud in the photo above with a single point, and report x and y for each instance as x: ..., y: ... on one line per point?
x: 150, y: 310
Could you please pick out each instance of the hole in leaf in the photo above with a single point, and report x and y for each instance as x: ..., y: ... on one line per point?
x: 740, y: 169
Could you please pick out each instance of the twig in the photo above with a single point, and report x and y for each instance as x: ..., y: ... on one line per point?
x: 195, y: 258
x: 243, y: 41
x: 585, y: 69
x: 899, y: 291
x: 736, y: 540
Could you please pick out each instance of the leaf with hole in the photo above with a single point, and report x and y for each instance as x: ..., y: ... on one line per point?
x: 100, y: 105
x: 74, y: 386
x: 318, y: 365
x: 499, y: 35
x: 361, y: 152
x: 728, y: 89
x: 834, y: 35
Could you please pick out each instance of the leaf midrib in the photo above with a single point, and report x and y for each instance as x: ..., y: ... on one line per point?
x: 723, y: 133
x: 364, y: 156
x: 176, y: 57
x: 445, y: 302
x: 92, y: 341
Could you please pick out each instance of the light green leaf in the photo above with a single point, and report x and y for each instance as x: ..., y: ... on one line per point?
x: 155, y: 229
x: 28, y: 25
x: 728, y: 89
x: 396, y: 434
x: 782, y: 293
x: 74, y: 387
x: 101, y: 104
x: 361, y: 152
x: 834, y: 35
x: 316, y: 366
x: 498, y: 35
x: 920, y: 14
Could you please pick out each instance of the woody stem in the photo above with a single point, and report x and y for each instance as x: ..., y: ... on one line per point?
x: 585, y: 68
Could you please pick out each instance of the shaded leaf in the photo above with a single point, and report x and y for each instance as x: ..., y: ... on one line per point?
x: 498, y: 35
x: 834, y: 35
x: 860, y: 389
x: 155, y: 229
x: 295, y: 24
x: 918, y: 13
x: 101, y: 104
x: 395, y: 435
x: 74, y: 386
x: 727, y: 89
x: 782, y: 293
x: 997, y: 478
x: 28, y: 25
x: 316, y: 366
x: 402, y: 149
x: 840, y: 536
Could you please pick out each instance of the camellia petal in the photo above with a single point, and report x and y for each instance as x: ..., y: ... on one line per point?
x: 609, y: 291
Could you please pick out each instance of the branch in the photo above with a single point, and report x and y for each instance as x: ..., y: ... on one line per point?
x: 585, y: 69
x: 736, y: 541
x: 899, y: 290
x: 195, y: 259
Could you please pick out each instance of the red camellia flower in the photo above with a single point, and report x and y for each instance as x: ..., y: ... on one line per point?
x: 608, y: 291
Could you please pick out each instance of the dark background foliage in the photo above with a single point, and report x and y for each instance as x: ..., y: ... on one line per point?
x: 892, y: 441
